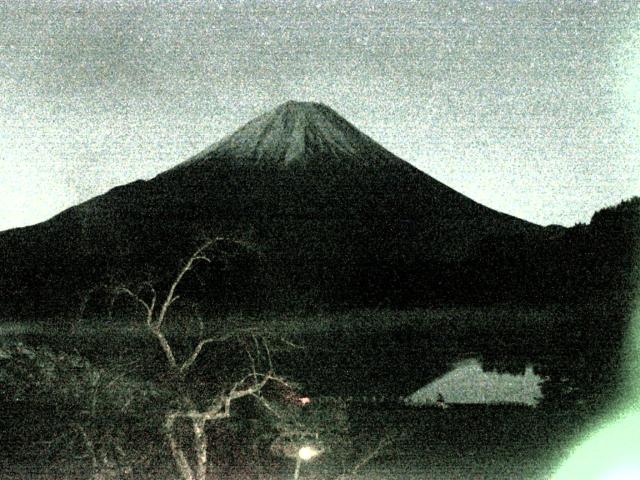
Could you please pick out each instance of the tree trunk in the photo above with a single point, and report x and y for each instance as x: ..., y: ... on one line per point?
x: 200, y: 447
x: 178, y: 455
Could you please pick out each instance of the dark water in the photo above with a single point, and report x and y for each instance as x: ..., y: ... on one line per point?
x: 471, y: 441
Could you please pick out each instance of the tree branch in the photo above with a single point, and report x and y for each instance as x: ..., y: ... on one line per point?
x: 170, y: 298
x: 194, y: 355
x: 166, y: 348
x: 148, y: 307
x: 122, y: 289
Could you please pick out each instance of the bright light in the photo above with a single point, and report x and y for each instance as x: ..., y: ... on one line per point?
x: 611, y: 453
x: 307, y: 453
x: 623, y: 473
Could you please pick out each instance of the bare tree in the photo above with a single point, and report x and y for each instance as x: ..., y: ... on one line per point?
x: 218, y: 406
x: 156, y: 309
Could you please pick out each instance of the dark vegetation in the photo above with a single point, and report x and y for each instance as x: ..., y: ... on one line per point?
x: 573, y: 266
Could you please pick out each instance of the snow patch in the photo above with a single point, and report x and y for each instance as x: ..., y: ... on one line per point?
x: 468, y: 383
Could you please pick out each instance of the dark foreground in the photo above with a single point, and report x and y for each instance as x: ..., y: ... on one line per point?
x: 88, y: 403
x: 462, y: 442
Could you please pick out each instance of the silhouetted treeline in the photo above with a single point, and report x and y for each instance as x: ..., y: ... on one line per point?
x: 571, y: 265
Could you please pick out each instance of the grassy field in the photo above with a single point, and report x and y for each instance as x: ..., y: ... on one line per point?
x: 357, y: 354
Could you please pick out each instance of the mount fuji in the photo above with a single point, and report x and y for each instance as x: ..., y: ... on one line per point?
x: 336, y: 218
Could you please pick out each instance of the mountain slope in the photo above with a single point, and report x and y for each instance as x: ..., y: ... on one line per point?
x: 337, y: 218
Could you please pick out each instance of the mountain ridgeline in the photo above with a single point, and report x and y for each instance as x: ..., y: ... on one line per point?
x: 331, y: 217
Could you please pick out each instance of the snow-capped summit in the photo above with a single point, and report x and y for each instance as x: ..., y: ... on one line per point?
x: 298, y: 133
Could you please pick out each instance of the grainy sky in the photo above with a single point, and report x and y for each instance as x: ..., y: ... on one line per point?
x: 530, y: 107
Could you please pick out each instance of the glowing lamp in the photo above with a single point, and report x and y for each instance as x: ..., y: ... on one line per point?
x: 307, y: 453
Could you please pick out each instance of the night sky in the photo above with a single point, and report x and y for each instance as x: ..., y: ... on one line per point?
x: 530, y: 107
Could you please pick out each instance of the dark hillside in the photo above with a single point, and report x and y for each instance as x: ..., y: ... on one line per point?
x: 336, y: 220
x: 575, y: 265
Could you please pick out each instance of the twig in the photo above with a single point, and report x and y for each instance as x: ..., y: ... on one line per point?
x: 371, y: 455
